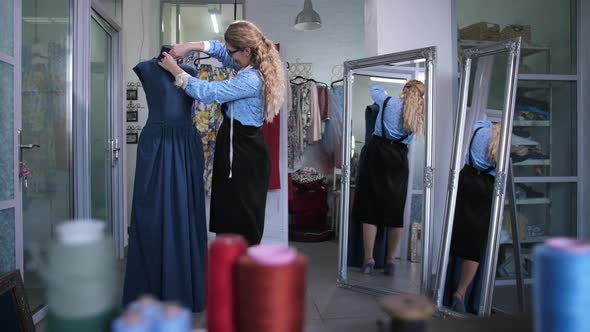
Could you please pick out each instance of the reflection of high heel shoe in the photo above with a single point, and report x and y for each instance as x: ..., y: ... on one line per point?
x: 389, y: 266
x: 458, y: 303
x: 389, y: 269
x: 369, y: 266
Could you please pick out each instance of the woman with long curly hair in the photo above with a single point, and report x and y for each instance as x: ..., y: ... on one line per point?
x: 241, y: 167
x: 382, y: 185
x: 472, y: 215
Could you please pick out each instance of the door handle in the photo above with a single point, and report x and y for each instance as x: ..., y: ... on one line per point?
x: 29, y: 146
x: 115, y: 151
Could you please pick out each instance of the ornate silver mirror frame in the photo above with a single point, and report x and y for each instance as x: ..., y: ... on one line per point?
x: 512, y: 49
x: 428, y: 55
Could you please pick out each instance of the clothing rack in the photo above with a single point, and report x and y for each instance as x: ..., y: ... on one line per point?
x: 305, y: 80
x: 337, y: 74
x: 295, y: 69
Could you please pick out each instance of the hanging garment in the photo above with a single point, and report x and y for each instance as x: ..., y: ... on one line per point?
x: 332, y: 141
x: 272, y: 136
x: 383, y: 181
x: 238, y: 203
x: 314, y: 133
x: 323, y: 102
x: 207, y: 117
x: 167, y: 254
x: 298, y: 123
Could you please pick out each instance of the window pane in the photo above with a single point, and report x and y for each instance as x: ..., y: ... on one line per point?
x: 197, y: 21
x: 114, y: 8
x: 7, y: 171
x: 551, y: 25
x: 7, y: 241
x: 206, y: 22
x: 544, y: 141
x: 168, y: 23
x: 6, y: 26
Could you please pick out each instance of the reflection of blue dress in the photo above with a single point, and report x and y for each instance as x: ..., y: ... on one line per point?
x: 168, y: 238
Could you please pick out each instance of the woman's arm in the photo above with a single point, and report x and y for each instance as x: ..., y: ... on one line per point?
x: 214, y: 48
x: 244, y: 85
x: 378, y: 94
x: 218, y: 50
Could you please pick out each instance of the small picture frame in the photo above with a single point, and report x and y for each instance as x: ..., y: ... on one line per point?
x: 13, y: 299
x: 132, y: 116
x: 132, y: 138
x: 131, y: 94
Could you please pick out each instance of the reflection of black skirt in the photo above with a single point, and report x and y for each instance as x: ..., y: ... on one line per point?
x: 238, y: 203
x: 472, y: 214
x: 382, y: 186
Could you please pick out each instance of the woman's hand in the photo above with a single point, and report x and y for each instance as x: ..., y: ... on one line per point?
x: 179, y: 51
x: 170, y: 64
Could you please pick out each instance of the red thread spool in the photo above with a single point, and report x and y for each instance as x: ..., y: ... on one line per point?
x: 271, y: 290
x: 224, y: 252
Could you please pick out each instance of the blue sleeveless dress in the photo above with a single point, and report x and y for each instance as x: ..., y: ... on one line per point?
x: 167, y: 254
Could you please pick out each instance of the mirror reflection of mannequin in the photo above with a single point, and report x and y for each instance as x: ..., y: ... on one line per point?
x: 472, y: 216
x: 382, y: 187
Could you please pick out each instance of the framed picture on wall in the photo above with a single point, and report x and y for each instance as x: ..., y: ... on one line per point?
x: 131, y: 116
x: 131, y: 94
x: 132, y: 138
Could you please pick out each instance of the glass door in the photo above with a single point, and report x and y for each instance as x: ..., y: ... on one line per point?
x: 9, y: 124
x: 46, y: 137
x: 101, y: 144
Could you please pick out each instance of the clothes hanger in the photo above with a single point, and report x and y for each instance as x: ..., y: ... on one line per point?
x: 336, y: 81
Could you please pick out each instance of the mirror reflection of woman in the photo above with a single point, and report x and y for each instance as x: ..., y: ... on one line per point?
x: 382, y: 186
x: 473, y: 208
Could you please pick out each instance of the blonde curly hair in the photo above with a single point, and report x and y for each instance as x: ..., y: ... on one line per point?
x: 413, y: 98
x: 245, y: 34
x: 494, y: 144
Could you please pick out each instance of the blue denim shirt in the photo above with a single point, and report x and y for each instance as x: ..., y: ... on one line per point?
x: 243, y: 90
x: 479, y: 147
x: 392, y: 118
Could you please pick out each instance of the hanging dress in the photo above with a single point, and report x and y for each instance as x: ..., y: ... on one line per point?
x: 168, y: 236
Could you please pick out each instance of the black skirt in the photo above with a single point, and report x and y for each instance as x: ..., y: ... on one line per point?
x: 382, y: 186
x: 472, y: 214
x: 238, y: 203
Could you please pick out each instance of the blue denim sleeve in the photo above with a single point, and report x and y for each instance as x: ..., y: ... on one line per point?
x: 246, y: 84
x: 218, y: 50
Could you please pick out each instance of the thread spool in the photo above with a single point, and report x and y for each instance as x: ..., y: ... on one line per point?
x: 131, y: 321
x: 174, y: 318
x: 562, y: 286
x: 80, y: 273
x: 408, y: 313
x: 148, y: 307
x: 224, y: 252
x: 271, y: 290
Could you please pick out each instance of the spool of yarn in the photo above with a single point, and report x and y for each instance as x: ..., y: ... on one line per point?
x: 561, y: 296
x: 271, y: 290
x: 80, y: 273
x: 148, y: 307
x: 224, y: 252
x: 408, y: 313
x: 132, y: 321
x: 174, y: 318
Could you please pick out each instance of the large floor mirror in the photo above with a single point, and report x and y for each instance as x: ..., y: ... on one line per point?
x: 478, y: 178
x: 386, y: 197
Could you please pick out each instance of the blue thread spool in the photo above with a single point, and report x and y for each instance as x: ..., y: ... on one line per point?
x: 562, y: 286
x: 132, y: 322
x: 148, y: 307
x: 174, y: 318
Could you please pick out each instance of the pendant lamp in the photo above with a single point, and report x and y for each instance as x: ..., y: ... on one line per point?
x: 308, y: 19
